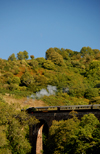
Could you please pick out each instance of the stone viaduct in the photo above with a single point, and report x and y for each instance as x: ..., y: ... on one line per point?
x: 46, y: 118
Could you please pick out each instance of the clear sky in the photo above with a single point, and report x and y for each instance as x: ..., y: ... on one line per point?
x: 37, y: 25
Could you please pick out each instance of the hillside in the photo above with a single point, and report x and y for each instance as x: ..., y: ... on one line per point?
x: 24, y: 102
x: 63, y: 77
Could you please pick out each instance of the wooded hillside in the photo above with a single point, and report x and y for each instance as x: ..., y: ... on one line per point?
x: 76, y: 76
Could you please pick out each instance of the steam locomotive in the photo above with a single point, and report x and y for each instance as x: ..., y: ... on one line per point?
x: 63, y: 108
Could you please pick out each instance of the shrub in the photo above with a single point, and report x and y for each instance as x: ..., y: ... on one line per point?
x: 41, y: 61
x: 13, y: 87
x: 27, y: 79
x: 16, y: 80
x: 91, y: 92
x: 95, y: 100
x: 33, y: 63
x: 49, y: 65
x: 55, y: 57
x: 8, y: 74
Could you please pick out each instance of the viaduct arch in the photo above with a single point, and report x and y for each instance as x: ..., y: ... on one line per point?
x: 46, y: 118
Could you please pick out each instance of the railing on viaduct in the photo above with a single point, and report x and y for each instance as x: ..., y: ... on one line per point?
x: 46, y: 119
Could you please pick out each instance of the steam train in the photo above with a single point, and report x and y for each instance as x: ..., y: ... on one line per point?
x: 63, y: 108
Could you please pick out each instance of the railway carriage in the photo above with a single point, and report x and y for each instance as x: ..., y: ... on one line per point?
x: 63, y: 108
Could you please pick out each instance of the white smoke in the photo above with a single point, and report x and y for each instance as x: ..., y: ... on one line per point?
x: 51, y: 90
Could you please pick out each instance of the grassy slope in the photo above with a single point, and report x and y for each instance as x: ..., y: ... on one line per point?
x: 23, y: 102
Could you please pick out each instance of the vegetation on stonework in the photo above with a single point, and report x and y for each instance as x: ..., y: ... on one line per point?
x: 79, y: 72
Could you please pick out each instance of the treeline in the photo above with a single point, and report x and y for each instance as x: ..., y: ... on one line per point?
x: 78, y: 72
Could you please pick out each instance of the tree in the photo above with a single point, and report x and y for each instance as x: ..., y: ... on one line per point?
x: 27, y: 79
x: 16, y: 80
x: 32, y: 56
x: 86, y: 51
x: 25, y: 53
x: 41, y: 61
x: 14, y: 130
x: 86, y: 141
x: 20, y: 55
x: 33, y: 63
x: 74, y: 136
x: 91, y: 92
x: 70, y: 52
x: 55, y: 57
x: 62, y: 134
x: 12, y: 57
x: 49, y: 65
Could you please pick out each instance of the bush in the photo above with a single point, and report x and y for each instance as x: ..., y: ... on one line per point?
x: 91, y: 92
x: 34, y: 63
x: 95, y: 100
x: 8, y: 74
x: 13, y: 87
x: 49, y: 65
x: 75, y: 63
x: 41, y: 61
x: 16, y: 80
x: 55, y: 57
x: 27, y: 79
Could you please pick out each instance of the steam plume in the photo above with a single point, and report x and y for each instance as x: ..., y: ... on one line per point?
x: 51, y: 90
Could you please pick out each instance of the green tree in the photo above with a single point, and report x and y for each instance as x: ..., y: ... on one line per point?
x: 41, y: 61
x: 55, y: 57
x: 20, y: 55
x: 97, y: 56
x: 73, y: 136
x: 62, y: 136
x: 25, y: 53
x: 70, y: 52
x: 86, y: 51
x: 16, y: 80
x: 33, y: 63
x: 86, y: 141
x: 4, y: 142
x: 12, y: 57
x: 91, y: 92
x: 49, y: 65
x: 14, y: 127
x: 62, y: 52
x: 95, y: 100
x: 27, y: 79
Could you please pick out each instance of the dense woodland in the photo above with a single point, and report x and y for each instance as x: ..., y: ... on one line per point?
x: 76, y: 75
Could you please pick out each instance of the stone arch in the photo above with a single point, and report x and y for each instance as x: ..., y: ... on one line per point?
x: 37, y: 132
x: 45, y: 133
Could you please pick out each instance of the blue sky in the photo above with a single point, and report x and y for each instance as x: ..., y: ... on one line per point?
x: 37, y: 25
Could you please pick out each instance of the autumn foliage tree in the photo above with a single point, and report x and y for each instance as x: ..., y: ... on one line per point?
x: 32, y: 56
